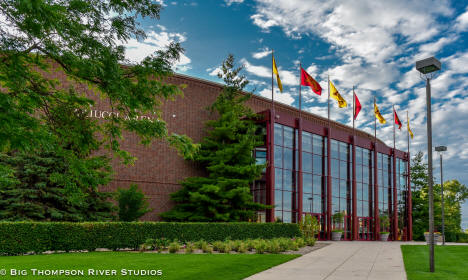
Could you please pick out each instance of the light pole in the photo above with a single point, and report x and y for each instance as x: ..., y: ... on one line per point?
x: 442, y: 149
x: 427, y: 67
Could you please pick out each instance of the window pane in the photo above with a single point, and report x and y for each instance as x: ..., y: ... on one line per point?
x: 343, y: 169
x: 317, y: 204
x: 307, y: 162
x: 288, y: 158
x: 278, y: 134
x: 278, y: 156
x: 278, y: 216
x: 343, y: 188
x: 306, y: 183
x: 358, y: 155
x: 359, y: 173
x: 317, y: 164
x: 288, y: 136
x: 287, y: 201
x: 343, y: 151
x: 307, y: 203
x: 334, y: 168
x: 287, y: 217
x: 335, y: 187
x: 359, y: 208
x: 318, y: 144
x: 306, y: 142
x: 278, y: 200
x: 278, y: 178
x: 334, y: 149
x: 288, y: 180
x: 317, y: 185
x: 358, y: 191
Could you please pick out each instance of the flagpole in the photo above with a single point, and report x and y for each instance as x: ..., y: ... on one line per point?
x: 300, y: 96
x: 407, y: 130
x: 354, y: 192
x: 354, y: 110
x: 394, y: 127
x: 375, y: 124
x: 272, y: 87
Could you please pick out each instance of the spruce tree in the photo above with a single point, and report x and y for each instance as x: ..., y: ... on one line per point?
x: 37, y: 190
x: 226, y: 155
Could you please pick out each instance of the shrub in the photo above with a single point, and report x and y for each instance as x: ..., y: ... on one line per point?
x: 300, y: 242
x: 174, y: 247
x: 206, y: 248
x: 189, y: 247
x: 273, y: 246
x: 235, y: 245
x: 260, y: 246
x: 199, y: 244
x: 217, y: 245
x: 132, y: 203
x: 250, y: 244
x: 24, y: 237
x: 310, y: 241
x: 242, y: 248
x: 309, y: 226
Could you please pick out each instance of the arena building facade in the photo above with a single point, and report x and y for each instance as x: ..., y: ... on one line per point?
x: 314, y: 166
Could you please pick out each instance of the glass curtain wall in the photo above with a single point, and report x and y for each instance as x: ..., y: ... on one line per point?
x: 341, y: 164
x: 384, y: 163
x: 364, y: 193
x: 402, y: 198
x: 314, y: 181
x: 285, y: 184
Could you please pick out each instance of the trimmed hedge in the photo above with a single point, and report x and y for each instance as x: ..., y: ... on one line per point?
x: 37, y: 237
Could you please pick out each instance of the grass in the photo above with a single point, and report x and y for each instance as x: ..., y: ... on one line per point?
x: 173, y: 266
x: 450, y: 262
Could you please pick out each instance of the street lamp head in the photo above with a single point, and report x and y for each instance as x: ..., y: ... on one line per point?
x: 428, y: 65
x: 441, y: 148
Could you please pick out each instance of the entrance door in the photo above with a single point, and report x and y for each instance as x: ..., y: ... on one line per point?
x: 365, y: 228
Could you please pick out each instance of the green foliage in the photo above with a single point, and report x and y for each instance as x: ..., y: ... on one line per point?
x: 23, y: 237
x: 82, y: 40
x: 261, y: 246
x: 189, y: 248
x: 338, y: 219
x: 226, y: 156
x: 174, y: 247
x: 309, y: 226
x: 47, y: 187
x: 132, y: 204
x: 455, y: 194
x: 384, y: 223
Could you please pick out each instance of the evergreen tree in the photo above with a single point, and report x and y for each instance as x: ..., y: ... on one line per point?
x: 37, y: 189
x: 132, y: 203
x: 226, y: 156
x: 454, y: 196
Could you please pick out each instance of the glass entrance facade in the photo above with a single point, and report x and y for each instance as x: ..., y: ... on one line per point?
x: 300, y: 188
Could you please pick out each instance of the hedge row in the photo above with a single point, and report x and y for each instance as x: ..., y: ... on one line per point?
x: 25, y: 237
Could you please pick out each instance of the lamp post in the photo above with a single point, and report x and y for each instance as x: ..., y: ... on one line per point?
x: 427, y: 67
x: 442, y: 149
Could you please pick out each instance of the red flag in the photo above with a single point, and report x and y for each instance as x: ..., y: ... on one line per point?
x: 357, y: 106
x: 307, y: 80
x: 397, y: 119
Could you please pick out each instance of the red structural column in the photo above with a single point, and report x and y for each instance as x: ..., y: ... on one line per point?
x: 395, y: 199
x: 271, y: 165
x: 329, y: 206
x: 354, y: 218
x: 300, y: 184
x: 376, y: 196
x: 410, y: 201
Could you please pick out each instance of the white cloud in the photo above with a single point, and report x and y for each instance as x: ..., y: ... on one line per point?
x: 136, y: 50
x: 262, y: 53
x: 230, y: 2
x: 214, y: 71
x: 284, y: 97
x: 462, y: 21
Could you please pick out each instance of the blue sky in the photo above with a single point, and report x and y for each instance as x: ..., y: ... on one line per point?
x: 370, y: 44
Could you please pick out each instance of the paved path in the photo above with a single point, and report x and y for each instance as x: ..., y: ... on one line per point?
x: 343, y: 260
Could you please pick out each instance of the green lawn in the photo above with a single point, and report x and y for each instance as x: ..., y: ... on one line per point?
x: 173, y: 266
x: 451, y: 262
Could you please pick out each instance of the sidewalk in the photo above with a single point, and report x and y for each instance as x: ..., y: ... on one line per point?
x: 343, y: 260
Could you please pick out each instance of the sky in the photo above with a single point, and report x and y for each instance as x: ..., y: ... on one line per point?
x: 369, y: 44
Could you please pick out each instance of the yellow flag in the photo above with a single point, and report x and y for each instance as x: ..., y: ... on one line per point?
x: 275, y: 71
x: 378, y: 115
x: 409, y: 130
x: 336, y: 95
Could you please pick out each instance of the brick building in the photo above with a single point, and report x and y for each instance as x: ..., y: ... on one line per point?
x: 308, y: 172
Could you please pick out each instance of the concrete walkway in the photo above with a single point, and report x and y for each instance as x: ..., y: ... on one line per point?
x: 343, y: 260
